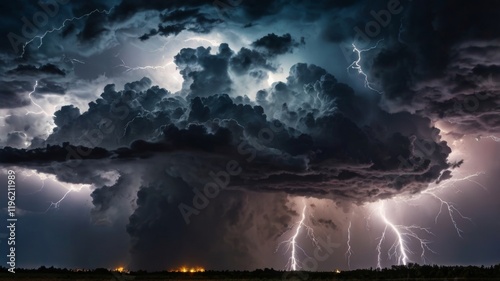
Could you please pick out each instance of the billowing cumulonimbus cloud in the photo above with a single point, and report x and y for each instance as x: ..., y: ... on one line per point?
x: 310, y: 135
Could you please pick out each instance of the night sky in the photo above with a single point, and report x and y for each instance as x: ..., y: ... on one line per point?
x: 241, y: 134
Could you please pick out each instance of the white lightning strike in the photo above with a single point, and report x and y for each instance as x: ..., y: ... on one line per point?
x: 70, y: 187
x: 400, y: 249
x: 357, y: 65
x: 56, y: 204
x: 33, y: 102
x: 450, y: 207
x: 146, y: 67
x: 293, y: 262
x: 40, y: 37
x: 348, y: 253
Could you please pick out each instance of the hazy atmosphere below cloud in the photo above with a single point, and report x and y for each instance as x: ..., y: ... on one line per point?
x: 314, y: 135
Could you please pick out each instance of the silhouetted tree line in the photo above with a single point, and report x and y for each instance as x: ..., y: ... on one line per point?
x: 397, y: 272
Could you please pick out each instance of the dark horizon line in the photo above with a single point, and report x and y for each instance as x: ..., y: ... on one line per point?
x: 141, y: 271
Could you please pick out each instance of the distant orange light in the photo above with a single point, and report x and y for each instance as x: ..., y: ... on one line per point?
x: 120, y: 269
x: 185, y: 269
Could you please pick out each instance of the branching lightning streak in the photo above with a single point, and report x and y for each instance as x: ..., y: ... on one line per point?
x: 56, y: 204
x: 71, y: 188
x: 357, y: 65
x: 400, y: 249
x: 154, y: 67
x: 450, y: 207
x: 348, y: 253
x: 293, y: 262
x: 59, y: 28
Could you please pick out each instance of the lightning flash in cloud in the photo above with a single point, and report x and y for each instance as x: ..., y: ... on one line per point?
x: 292, y: 244
x: 146, y: 67
x: 356, y: 65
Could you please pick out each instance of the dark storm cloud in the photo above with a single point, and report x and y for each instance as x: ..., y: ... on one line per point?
x: 273, y: 44
x: 31, y: 70
x: 46, y: 86
x: 444, y: 65
x: 94, y: 27
x: 233, y: 219
x: 14, y: 93
x: 176, y: 21
x: 246, y: 60
x: 213, y: 77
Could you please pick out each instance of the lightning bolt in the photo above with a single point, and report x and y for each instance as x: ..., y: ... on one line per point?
x: 357, y: 65
x: 400, y: 249
x: 450, y: 207
x: 40, y: 37
x: 292, y: 245
x: 348, y: 253
x: 44, y: 177
x: 33, y: 102
x: 70, y: 188
x: 129, y: 68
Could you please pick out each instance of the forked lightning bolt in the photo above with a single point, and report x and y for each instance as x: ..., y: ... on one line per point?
x: 357, y: 65
x: 40, y: 37
x: 400, y: 249
x: 292, y: 244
